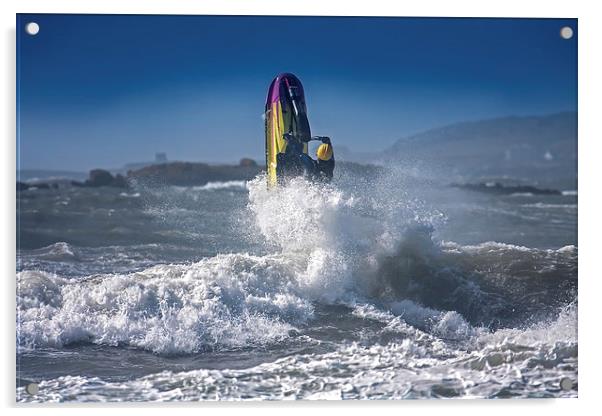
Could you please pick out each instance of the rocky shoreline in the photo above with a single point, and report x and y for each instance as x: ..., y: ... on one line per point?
x: 199, y: 174
x: 172, y: 173
x: 497, y: 188
x: 193, y: 174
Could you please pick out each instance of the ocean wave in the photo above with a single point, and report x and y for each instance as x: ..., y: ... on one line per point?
x: 419, y: 322
x: 235, y: 301
x: 327, y: 247
x: 214, y: 186
x: 60, y: 251
x: 130, y: 195
x: 551, y: 206
x: 413, y: 317
x: 521, y: 363
x: 227, y: 301
x: 38, y: 180
x: 494, y: 246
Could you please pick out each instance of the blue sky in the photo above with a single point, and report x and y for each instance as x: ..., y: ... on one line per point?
x: 102, y: 91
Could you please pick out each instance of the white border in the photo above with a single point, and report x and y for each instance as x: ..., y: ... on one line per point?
x: 590, y: 137
x: 508, y: 8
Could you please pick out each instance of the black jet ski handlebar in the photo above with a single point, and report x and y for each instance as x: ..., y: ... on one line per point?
x: 290, y: 136
x: 323, y: 139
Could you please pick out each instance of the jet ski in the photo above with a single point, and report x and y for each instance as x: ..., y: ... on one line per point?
x: 287, y: 130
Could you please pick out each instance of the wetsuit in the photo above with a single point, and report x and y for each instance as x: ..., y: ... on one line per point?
x: 293, y: 162
x: 325, y: 169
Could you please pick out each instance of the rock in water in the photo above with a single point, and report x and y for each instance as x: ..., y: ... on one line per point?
x: 100, y: 177
x: 246, y: 162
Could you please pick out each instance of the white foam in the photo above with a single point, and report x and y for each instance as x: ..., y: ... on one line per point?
x: 488, y: 246
x: 570, y: 193
x: 213, y: 186
x: 228, y: 301
x: 413, y: 368
x: 493, y: 247
x: 551, y: 206
x: 562, y: 329
x: 59, y: 251
x: 444, y: 324
x: 567, y: 249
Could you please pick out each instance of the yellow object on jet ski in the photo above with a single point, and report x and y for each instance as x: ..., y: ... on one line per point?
x: 324, y: 152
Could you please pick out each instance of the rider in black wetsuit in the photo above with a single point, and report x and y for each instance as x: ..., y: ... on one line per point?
x: 325, y: 160
x: 293, y: 162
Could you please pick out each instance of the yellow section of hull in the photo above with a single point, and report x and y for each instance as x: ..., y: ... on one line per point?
x: 275, y: 142
x: 277, y: 124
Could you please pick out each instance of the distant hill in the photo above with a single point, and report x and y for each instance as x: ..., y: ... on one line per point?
x: 538, y: 147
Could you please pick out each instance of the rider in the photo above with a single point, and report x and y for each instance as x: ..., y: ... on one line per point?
x: 294, y: 162
x: 325, y: 160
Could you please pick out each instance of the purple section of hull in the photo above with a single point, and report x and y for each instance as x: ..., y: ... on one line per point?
x: 279, y: 84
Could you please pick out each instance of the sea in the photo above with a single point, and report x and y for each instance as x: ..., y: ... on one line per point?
x: 385, y: 286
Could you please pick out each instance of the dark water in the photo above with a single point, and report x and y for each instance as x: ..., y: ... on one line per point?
x: 381, y: 287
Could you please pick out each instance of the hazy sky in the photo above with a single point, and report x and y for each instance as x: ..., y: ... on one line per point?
x: 102, y: 91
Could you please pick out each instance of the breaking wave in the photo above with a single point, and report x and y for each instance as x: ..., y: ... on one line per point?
x: 373, y: 255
